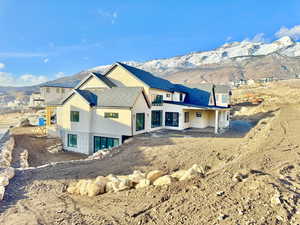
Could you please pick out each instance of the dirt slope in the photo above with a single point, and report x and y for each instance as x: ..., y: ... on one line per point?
x: 268, y: 156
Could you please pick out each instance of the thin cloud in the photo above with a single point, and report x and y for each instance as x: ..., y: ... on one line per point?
x: 2, y: 65
x: 46, y: 60
x: 112, y: 16
x: 8, y: 79
x: 21, y: 55
x: 260, y: 37
x: 293, y: 32
x: 60, y: 75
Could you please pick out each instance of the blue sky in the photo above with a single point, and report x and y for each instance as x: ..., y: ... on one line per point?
x: 42, y: 40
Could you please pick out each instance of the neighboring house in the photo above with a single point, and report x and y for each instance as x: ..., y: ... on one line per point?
x: 36, y: 100
x: 103, y: 110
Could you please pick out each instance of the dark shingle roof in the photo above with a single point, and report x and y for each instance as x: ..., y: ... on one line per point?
x: 222, y: 89
x: 112, y: 97
x: 68, y: 84
x: 107, y: 81
x: 148, y: 78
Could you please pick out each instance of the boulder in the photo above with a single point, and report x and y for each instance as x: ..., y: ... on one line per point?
x: 143, y: 183
x: 83, y: 187
x: 109, y: 187
x: 189, y: 174
x: 2, y: 191
x: 238, y: 177
x: 9, y: 172
x: 122, y: 184
x: 153, y: 175
x: 136, y: 176
x: 178, y: 174
x: 4, y: 181
x: 72, y: 189
x: 198, y: 169
x: 163, y: 180
x: 95, y: 188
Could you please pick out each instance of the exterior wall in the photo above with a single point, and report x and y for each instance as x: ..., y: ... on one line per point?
x: 220, y: 102
x: 81, y: 128
x: 160, y: 92
x: 141, y: 107
x: 54, y: 94
x: 93, y: 82
x: 111, y: 126
x: 206, y: 120
x: 122, y: 78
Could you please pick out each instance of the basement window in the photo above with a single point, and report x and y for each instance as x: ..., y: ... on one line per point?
x: 111, y: 115
x: 74, y: 116
x: 72, y: 140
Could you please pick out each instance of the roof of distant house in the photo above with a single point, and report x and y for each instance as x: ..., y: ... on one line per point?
x: 69, y: 84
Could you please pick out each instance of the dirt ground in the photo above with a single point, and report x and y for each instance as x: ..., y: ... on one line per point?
x: 268, y: 155
x: 26, y: 138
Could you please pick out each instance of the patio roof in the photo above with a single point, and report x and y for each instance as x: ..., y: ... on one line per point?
x: 193, y: 106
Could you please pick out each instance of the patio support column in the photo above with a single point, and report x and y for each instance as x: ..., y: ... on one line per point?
x: 216, y: 121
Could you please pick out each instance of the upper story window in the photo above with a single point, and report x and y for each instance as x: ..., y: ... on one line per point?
x: 168, y: 95
x: 224, y: 98
x: 181, y: 97
x: 74, y: 116
x: 48, y: 90
x: 157, y: 100
x: 198, y: 114
x: 111, y: 115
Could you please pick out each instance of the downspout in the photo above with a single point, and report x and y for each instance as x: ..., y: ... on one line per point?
x: 131, y: 121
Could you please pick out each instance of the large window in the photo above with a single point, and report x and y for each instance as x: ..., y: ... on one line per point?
x: 140, y: 121
x: 74, y: 116
x: 72, y: 140
x: 111, y: 115
x: 104, y: 143
x: 186, y: 117
x: 157, y: 100
x: 172, y: 119
x: 156, y: 118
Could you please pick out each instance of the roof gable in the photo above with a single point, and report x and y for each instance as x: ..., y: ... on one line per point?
x: 98, y: 76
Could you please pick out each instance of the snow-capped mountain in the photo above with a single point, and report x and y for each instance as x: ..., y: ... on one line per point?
x: 237, y: 50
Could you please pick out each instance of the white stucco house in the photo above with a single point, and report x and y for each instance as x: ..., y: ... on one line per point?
x: 104, y: 109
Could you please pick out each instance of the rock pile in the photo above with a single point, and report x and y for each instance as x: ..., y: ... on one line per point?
x: 7, y: 152
x: 5, y: 176
x: 24, y: 159
x: 58, y: 147
x: 137, y: 179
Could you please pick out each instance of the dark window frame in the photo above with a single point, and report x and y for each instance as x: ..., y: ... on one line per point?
x: 139, y: 126
x: 113, y: 115
x: 172, y: 119
x: 71, y: 138
x: 101, y: 143
x: 186, y: 117
x: 158, y: 100
x: 198, y: 114
x: 156, y: 118
x: 74, y: 116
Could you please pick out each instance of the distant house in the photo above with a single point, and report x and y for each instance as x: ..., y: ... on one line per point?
x: 103, y: 110
x: 36, y: 100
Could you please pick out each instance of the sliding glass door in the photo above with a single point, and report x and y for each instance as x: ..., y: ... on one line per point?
x: 172, y: 119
